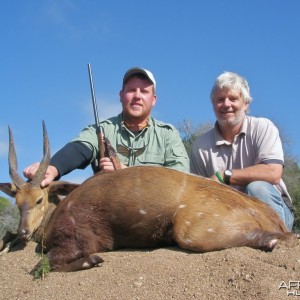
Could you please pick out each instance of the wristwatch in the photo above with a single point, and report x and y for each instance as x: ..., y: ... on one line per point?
x: 227, y: 176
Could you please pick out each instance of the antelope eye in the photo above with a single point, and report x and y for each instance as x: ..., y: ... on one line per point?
x: 39, y: 201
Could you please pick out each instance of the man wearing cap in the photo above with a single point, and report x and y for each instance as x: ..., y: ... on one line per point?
x: 138, y: 138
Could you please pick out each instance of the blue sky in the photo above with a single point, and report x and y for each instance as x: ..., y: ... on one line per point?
x: 47, y: 44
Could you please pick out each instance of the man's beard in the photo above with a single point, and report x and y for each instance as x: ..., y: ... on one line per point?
x: 232, y: 122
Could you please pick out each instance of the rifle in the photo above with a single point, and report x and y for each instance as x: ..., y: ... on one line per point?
x: 105, y: 148
x: 101, y: 145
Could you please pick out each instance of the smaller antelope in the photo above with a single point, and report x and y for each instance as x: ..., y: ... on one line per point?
x: 35, y: 204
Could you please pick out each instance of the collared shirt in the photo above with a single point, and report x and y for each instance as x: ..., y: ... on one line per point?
x: 258, y: 142
x: 158, y: 143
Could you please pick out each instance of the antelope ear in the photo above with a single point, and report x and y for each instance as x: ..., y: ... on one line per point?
x: 9, y: 189
x: 61, y: 188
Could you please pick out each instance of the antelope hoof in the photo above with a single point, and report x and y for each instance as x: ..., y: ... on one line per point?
x: 93, y: 261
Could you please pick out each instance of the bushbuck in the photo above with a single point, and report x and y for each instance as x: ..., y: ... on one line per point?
x: 148, y: 206
x: 35, y: 204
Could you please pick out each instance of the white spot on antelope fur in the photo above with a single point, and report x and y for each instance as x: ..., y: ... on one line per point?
x: 188, y: 223
x: 182, y: 206
x: 143, y: 212
x: 210, y: 230
x: 69, y: 204
x: 188, y: 242
x: 72, y: 220
x: 200, y: 213
x: 272, y: 243
x: 216, y: 215
x: 86, y: 265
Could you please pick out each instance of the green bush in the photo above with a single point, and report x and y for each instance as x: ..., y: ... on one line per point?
x: 3, y: 203
x: 9, y: 217
x: 291, y: 177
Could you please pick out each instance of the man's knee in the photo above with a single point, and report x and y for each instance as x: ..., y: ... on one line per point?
x: 258, y: 189
x: 267, y: 193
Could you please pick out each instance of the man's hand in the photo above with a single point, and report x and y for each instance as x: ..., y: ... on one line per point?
x: 106, y: 165
x: 50, y: 174
x: 216, y: 178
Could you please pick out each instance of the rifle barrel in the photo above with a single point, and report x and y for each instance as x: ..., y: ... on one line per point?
x: 93, y: 97
x: 97, y: 122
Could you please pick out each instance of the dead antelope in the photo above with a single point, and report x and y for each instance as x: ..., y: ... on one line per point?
x: 142, y: 207
x: 35, y: 204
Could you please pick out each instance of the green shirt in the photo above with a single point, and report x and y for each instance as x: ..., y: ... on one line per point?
x: 157, y: 144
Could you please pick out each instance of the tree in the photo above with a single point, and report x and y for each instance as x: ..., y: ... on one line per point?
x: 189, y: 133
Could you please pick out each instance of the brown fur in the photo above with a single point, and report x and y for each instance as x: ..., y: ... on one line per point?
x: 36, y: 206
x: 142, y: 207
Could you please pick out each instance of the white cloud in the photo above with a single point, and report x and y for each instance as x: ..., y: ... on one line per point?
x: 106, y: 109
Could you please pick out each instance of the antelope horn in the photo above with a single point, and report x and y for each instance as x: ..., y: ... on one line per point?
x: 12, y: 162
x: 40, y: 173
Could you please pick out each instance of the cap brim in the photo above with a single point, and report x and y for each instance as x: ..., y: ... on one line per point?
x: 137, y: 70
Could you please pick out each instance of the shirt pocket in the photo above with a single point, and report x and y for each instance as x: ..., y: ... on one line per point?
x: 152, y: 158
x: 179, y: 152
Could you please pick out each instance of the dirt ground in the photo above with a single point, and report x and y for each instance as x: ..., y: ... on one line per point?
x: 168, y: 273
